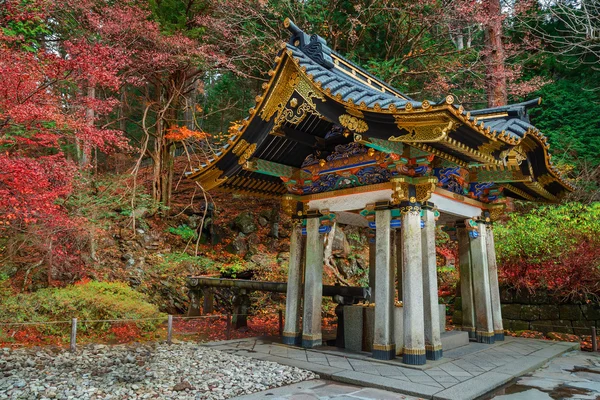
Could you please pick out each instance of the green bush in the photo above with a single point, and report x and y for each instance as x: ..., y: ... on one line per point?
x: 184, y: 232
x: 85, y: 301
x: 547, y: 231
x: 554, y: 248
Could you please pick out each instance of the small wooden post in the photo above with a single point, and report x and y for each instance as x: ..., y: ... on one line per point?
x: 228, y: 326
x: 170, y: 329
x: 280, y: 323
x: 73, y: 346
x: 594, y: 340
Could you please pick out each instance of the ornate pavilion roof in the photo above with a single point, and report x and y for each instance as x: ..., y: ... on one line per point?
x: 323, y: 124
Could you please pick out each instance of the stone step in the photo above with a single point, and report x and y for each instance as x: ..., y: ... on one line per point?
x: 453, y: 339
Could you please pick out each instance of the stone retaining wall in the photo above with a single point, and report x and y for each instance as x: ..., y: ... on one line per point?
x: 541, y: 312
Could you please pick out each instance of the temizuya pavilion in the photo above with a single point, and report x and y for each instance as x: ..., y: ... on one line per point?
x: 334, y: 142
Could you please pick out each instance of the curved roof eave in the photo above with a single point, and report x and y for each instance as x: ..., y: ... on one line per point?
x: 347, y: 91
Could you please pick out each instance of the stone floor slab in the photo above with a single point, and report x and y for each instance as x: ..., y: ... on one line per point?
x: 466, y: 372
x: 473, y: 388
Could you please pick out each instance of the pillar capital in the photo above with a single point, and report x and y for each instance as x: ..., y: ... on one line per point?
x: 412, y: 189
x: 496, y: 211
x: 412, y: 207
x: 290, y: 204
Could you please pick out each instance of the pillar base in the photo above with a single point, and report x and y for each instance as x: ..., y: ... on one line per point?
x: 499, y: 336
x: 414, y: 356
x: 292, y: 338
x: 384, y: 352
x: 433, y: 352
x: 485, y: 337
x: 310, y: 341
x: 471, y: 331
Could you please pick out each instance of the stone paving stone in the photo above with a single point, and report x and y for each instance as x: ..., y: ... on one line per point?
x: 410, y: 388
x: 375, y: 394
x: 359, y: 365
x: 340, y: 363
x: 473, y: 388
x: 531, y: 394
x: 523, y: 366
x: 386, y: 370
x: 429, y: 381
x: 455, y: 370
x: 333, y: 389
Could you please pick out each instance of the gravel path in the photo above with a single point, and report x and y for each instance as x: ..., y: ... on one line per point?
x: 149, y: 371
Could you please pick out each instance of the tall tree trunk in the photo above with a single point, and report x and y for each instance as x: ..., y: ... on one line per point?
x: 85, y: 149
x: 495, y: 60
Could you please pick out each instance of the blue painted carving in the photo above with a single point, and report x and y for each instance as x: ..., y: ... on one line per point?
x: 365, y: 176
x: 311, y: 159
x: 336, y: 130
x: 342, y: 151
x: 485, y: 191
x: 453, y: 179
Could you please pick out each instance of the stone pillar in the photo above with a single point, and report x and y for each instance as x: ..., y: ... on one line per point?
x: 313, y: 285
x: 208, y: 306
x: 372, y: 282
x: 466, y: 281
x: 241, y: 305
x: 494, y: 287
x: 383, y: 335
x: 291, y: 330
x: 194, y: 309
x: 398, y: 245
x: 433, y: 343
x: 484, y: 327
x: 412, y: 285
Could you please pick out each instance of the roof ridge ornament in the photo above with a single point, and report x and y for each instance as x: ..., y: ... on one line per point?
x: 314, y: 46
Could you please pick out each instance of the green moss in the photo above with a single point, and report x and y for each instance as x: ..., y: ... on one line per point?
x: 87, y: 301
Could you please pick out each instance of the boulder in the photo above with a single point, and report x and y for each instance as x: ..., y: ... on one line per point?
x: 557, y: 325
x: 181, y: 386
x: 511, y: 311
x: 583, y: 327
x: 140, y: 212
x: 244, y: 222
x: 513, y: 325
x: 591, y: 311
x: 262, y: 221
x: 549, y: 311
x: 530, y: 313
x: 238, y: 245
x: 340, y: 246
x: 570, y: 311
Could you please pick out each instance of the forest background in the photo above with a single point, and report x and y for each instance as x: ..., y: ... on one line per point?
x: 105, y: 105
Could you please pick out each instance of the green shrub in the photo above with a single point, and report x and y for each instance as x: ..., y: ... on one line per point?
x: 547, y: 231
x: 554, y: 248
x: 184, y: 232
x: 85, y: 301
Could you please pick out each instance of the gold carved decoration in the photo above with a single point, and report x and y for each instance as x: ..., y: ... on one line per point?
x: 514, y: 156
x: 240, y: 147
x: 211, y: 179
x: 496, y: 211
x: 288, y: 204
x: 545, y: 179
x: 426, y: 127
x: 490, y: 147
x: 290, y: 80
x: 424, y: 189
x: 413, y: 209
x: 399, y: 189
x: 355, y: 112
x: 354, y: 124
x: 247, y: 154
